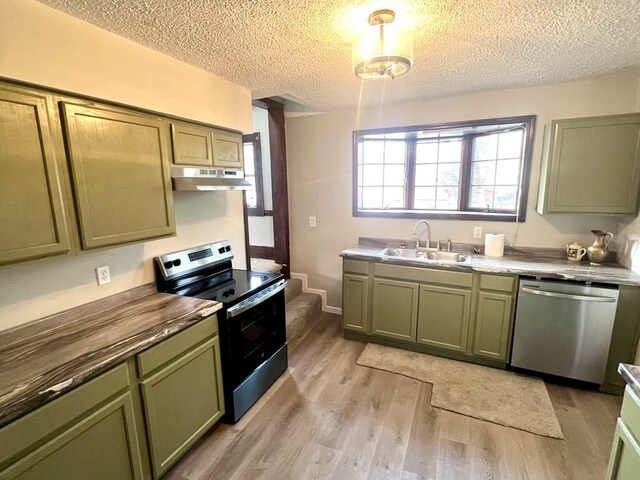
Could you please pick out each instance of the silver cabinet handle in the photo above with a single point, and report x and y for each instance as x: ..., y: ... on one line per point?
x: 586, y: 298
x: 243, y: 307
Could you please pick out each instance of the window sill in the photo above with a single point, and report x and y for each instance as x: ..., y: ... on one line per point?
x: 442, y: 215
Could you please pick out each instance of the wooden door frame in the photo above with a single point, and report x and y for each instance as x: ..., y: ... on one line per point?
x: 279, y: 186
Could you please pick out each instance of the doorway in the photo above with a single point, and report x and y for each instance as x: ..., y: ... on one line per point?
x: 266, y: 205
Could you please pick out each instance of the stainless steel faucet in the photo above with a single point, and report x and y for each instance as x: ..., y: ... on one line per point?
x: 417, y: 237
x: 444, y: 243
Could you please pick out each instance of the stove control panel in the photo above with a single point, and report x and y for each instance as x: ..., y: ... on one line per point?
x: 177, y: 264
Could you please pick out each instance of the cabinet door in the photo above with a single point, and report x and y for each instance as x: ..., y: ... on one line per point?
x: 443, y: 317
x: 355, y: 303
x: 181, y: 402
x: 493, y: 326
x: 191, y: 145
x: 395, y: 309
x: 102, y: 446
x: 624, y: 461
x: 120, y: 166
x: 227, y: 149
x: 33, y: 216
x: 591, y: 165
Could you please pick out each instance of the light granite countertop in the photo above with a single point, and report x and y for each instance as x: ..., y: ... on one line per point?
x: 631, y: 375
x: 43, y: 359
x: 527, y: 265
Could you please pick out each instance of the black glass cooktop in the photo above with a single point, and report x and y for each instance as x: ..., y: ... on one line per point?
x: 229, y: 286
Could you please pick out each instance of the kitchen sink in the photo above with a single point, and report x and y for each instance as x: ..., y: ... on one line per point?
x: 403, y: 253
x: 446, y: 256
x: 424, y: 255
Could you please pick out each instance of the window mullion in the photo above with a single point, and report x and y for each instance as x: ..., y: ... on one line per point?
x: 410, y: 173
x: 465, y: 173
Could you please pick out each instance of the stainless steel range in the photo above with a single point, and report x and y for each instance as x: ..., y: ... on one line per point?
x: 251, y: 324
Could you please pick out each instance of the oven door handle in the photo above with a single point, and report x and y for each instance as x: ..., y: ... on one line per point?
x: 243, y: 307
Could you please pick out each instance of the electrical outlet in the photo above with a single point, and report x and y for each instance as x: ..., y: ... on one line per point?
x: 103, y: 275
x: 312, y: 222
x: 477, y: 232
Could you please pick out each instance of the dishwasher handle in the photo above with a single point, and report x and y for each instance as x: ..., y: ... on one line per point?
x: 568, y: 296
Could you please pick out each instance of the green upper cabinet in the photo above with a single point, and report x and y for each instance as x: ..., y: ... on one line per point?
x: 395, y: 309
x: 192, y: 145
x: 443, y: 317
x: 33, y: 217
x: 591, y: 165
x: 227, y: 149
x: 201, y: 146
x: 121, y: 179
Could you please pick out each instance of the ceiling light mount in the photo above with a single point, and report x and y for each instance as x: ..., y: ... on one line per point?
x: 380, y: 17
x: 384, y: 51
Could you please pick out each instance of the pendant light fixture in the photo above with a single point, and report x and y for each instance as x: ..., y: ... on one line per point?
x: 384, y: 50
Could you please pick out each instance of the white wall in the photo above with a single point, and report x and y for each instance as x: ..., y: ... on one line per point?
x: 261, y: 124
x: 261, y: 228
x: 261, y: 231
x: 43, y: 46
x: 319, y: 161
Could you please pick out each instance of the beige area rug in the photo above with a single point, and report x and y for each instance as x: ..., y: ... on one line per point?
x: 490, y: 394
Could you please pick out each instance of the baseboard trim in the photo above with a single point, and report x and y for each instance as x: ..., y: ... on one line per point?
x: 323, y: 293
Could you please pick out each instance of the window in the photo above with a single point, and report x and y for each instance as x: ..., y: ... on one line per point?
x: 254, y: 196
x: 464, y: 170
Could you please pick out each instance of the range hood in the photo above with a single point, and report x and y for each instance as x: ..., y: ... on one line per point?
x: 208, y: 179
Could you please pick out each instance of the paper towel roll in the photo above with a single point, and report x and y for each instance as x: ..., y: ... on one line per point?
x: 494, y: 244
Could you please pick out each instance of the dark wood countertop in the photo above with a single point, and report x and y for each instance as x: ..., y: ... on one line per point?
x: 631, y: 375
x: 559, y: 269
x: 43, y: 359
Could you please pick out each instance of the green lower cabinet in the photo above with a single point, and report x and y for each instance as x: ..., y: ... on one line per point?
x: 395, y: 309
x: 86, y: 433
x: 181, y: 402
x: 355, y: 305
x: 443, y: 317
x: 493, y: 326
x: 98, y: 447
x: 624, y: 462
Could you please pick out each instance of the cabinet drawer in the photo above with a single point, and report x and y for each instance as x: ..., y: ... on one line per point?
x: 427, y: 275
x: 157, y: 356
x: 356, y: 266
x: 497, y: 282
x: 630, y: 412
x: 31, y: 430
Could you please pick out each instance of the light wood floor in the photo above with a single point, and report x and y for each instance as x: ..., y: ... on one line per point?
x: 328, y: 418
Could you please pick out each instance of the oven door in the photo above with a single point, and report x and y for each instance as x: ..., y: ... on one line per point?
x: 257, y: 329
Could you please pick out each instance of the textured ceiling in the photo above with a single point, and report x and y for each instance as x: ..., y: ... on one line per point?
x: 302, y: 49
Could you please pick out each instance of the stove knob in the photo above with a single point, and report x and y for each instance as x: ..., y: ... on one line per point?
x: 177, y: 262
x: 168, y: 264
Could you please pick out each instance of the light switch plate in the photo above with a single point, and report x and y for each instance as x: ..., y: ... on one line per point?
x: 312, y: 222
x: 477, y: 232
x: 103, y: 275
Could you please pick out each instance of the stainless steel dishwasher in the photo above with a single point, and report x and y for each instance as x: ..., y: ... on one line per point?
x: 564, y: 328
